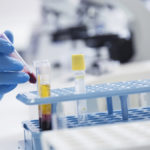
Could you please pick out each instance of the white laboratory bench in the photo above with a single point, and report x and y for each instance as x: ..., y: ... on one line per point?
x: 13, y: 112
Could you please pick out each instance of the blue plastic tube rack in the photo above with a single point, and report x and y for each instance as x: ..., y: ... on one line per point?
x: 32, y: 131
x: 121, y: 89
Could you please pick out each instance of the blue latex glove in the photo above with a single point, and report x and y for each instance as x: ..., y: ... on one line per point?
x: 10, y: 68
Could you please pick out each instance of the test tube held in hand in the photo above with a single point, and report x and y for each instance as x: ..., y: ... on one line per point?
x: 16, y: 55
x: 43, y: 77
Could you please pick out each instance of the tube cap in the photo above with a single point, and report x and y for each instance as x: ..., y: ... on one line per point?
x: 78, y: 62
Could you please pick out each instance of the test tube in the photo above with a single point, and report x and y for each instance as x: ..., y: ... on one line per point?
x: 16, y: 55
x: 43, y: 85
x: 78, y: 66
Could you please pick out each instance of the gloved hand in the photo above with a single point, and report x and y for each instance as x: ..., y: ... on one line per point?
x: 10, y: 68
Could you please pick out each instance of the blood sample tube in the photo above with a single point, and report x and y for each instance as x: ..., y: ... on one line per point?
x: 16, y: 55
x: 43, y: 77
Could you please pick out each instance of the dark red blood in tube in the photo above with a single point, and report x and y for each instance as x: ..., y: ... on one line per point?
x: 32, y: 77
x: 46, y: 123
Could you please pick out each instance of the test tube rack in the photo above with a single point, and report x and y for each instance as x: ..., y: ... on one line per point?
x: 122, y: 89
x: 127, y: 136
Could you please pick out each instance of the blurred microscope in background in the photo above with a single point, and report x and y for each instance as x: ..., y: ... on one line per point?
x: 102, y: 31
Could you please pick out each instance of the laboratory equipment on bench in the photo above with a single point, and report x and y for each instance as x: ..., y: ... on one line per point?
x: 32, y: 132
x: 94, y: 30
x: 16, y: 55
x: 96, y: 25
x: 43, y: 85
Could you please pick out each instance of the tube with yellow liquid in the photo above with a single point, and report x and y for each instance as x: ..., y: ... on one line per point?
x: 43, y: 77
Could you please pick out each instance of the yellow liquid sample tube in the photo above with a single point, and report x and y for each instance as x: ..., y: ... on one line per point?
x: 43, y: 86
x: 44, y: 91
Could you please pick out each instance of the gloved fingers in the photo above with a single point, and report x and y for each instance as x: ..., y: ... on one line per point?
x: 7, y: 78
x: 8, y: 63
x: 6, y: 88
x: 9, y: 35
x: 6, y: 47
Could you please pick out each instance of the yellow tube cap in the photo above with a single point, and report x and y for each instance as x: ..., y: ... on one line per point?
x: 78, y: 62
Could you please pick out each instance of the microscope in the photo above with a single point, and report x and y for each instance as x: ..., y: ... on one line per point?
x: 92, y: 27
x: 103, y: 27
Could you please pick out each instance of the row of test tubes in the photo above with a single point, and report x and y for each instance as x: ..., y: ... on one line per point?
x: 47, y: 114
